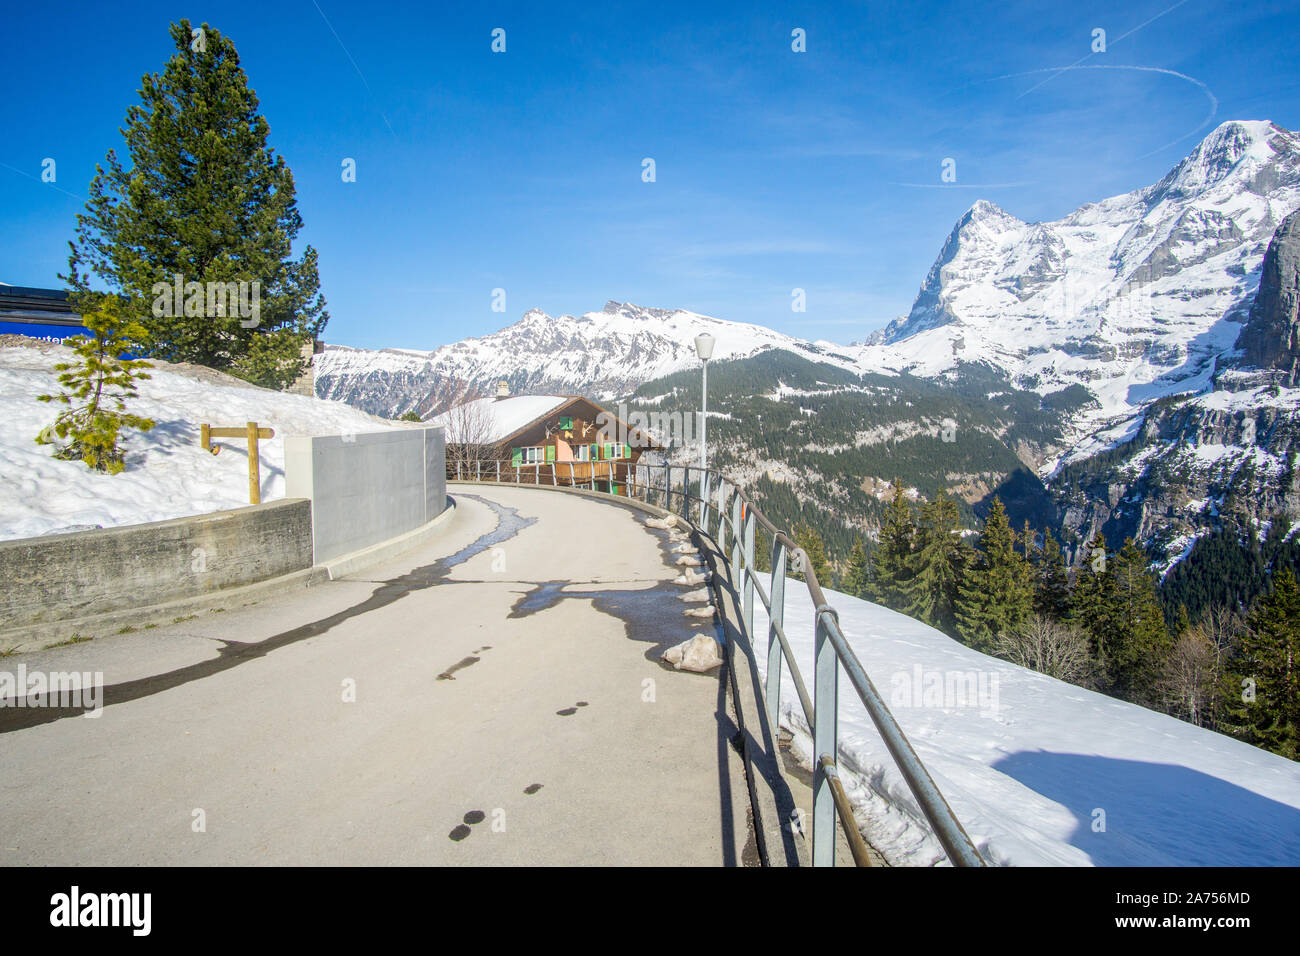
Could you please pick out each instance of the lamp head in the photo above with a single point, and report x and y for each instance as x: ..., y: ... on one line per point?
x: 704, y: 346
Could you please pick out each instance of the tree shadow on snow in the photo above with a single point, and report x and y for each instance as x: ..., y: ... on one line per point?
x: 1160, y: 814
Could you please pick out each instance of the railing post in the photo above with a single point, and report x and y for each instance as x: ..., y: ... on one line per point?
x: 498, y: 471
x: 722, y: 512
x: 776, y: 618
x: 686, y: 494
x: 825, y: 717
x: 749, y: 564
x: 735, y: 543
x: 704, y: 500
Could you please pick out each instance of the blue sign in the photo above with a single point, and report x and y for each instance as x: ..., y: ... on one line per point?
x: 39, y: 330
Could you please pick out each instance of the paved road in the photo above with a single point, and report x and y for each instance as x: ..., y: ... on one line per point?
x: 510, y: 708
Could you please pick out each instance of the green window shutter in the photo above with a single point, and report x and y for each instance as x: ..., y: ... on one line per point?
x: 516, y: 456
x: 550, y: 453
x: 566, y: 422
x: 609, y: 450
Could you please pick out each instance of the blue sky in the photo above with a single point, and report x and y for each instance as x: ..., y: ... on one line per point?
x: 775, y: 170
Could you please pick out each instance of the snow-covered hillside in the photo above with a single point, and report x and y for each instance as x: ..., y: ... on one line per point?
x: 1033, y: 767
x: 168, y: 475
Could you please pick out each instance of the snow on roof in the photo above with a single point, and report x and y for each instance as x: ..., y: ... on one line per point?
x: 503, y: 417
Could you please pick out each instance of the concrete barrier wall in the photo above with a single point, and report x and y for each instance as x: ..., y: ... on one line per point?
x: 61, y: 576
x: 367, y: 488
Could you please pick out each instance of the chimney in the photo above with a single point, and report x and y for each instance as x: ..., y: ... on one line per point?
x: 503, y: 389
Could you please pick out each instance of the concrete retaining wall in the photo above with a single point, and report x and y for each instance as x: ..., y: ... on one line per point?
x: 84, y: 573
x: 367, y: 488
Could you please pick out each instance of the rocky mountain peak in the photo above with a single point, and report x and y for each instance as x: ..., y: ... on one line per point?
x: 1270, y: 339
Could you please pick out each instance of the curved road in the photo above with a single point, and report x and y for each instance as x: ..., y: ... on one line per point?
x: 492, y: 697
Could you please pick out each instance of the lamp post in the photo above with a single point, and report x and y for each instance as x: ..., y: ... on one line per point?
x: 704, y: 349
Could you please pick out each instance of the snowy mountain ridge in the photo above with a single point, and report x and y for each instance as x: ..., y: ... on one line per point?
x: 601, y: 354
x: 1132, y: 297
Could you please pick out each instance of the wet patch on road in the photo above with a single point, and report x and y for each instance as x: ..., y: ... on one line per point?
x: 233, y: 653
x: 462, y: 830
x: 462, y: 663
x: 532, y: 788
x: 649, y: 616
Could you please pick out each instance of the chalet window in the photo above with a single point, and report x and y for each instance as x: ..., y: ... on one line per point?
x: 566, y: 422
x: 582, y: 453
x: 532, y: 455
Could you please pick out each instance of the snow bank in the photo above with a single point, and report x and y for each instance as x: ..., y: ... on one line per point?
x: 1033, y: 767
x: 168, y: 475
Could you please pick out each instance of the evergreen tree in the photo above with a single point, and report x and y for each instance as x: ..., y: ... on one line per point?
x: 892, y: 557
x: 96, y: 387
x: 207, y: 199
x: 930, y: 592
x: 814, y: 553
x: 1266, y: 672
x: 857, y: 580
x: 1052, y: 596
x: 1139, y: 643
x: 996, y: 594
x: 1093, y: 604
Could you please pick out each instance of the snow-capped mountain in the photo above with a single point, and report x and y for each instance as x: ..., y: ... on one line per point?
x: 1132, y: 297
x: 599, y: 354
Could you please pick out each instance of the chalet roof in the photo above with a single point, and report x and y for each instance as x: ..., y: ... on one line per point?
x: 504, y: 418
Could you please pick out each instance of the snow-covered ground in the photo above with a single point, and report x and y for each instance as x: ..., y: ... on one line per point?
x: 1039, y: 772
x: 168, y: 475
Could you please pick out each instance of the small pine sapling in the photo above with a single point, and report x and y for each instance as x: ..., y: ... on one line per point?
x: 96, y: 386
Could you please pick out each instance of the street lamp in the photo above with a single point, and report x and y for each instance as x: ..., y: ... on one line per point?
x: 704, y: 349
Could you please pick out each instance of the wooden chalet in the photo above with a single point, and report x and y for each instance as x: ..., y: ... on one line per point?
x: 544, y: 439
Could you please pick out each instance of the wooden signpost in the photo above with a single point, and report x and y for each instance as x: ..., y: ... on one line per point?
x: 250, y: 432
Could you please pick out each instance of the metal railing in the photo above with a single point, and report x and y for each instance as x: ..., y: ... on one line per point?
x: 738, y: 518
x: 563, y: 474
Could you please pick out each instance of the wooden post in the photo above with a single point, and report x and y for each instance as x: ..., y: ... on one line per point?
x: 250, y: 433
x: 254, y: 467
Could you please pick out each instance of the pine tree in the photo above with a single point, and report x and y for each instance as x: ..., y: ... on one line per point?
x: 1266, y: 672
x: 892, y: 558
x: 1139, y: 645
x: 930, y: 592
x: 996, y: 593
x: 814, y: 553
x: 858, y: 578
x: 95, y: 390
x: 1052, y: 596
x: 1093, y: 604
x: 207, y: 199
